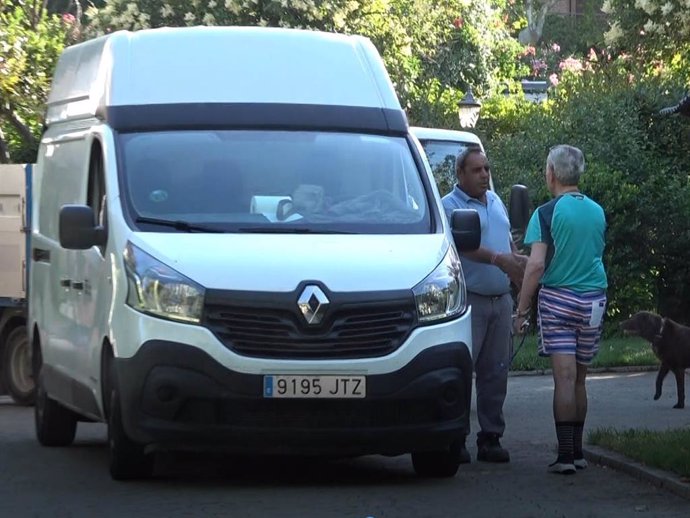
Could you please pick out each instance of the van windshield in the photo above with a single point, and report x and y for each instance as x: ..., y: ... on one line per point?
x: 272, y: 181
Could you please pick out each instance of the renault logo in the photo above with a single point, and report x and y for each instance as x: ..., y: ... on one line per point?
x: 313, y: 303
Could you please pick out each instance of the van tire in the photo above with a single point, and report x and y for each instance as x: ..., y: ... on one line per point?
x: 127, y: 458
x: 17, y: 369
x: 438, y: 464
x: 55, y: 424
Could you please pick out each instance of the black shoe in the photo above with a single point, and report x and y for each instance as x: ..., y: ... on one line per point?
x: 489, y: 448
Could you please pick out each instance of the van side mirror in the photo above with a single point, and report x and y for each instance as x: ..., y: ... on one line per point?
x: 78, y: 229
x: 467, y: 233
x: 520, y: 207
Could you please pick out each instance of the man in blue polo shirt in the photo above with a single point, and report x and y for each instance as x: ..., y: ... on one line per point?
x: 488, y: 273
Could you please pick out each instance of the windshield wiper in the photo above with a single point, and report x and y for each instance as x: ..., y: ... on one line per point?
x: 289, y: 230
x: 183, y: 226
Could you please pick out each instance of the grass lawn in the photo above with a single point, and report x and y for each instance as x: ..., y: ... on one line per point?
x: 613, y: 352
x: 668, y: 450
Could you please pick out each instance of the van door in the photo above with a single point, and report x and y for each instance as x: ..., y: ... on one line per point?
x: 92, y: 281
x: 60, y: 180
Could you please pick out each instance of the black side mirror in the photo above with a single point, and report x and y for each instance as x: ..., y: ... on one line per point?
x: 78, y: 229
x: 520, y: 207
x: 467, y: 232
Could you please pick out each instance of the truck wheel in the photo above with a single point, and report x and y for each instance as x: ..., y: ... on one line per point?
x: 438, y: 464
x: 55, y: 424
x: 17, y: 369
x: 127, y: 458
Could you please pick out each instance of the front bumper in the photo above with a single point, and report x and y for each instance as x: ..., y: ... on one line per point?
x: 176, y: 397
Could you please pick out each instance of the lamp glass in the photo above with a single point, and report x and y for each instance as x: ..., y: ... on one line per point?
x: 468, y: 110
x: 468, y: 116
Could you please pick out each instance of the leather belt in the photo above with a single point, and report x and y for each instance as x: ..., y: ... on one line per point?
x: 492, y: 297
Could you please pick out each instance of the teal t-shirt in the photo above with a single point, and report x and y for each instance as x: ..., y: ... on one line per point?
x: 573, y: 227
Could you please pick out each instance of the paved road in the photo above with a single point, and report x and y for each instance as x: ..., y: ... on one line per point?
x: 73, y: 482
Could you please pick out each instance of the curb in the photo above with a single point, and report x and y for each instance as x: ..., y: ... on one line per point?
x: 656, y: 477
x: 597, y: 370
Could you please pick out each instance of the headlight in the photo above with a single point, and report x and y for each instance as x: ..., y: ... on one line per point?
x: 442, y: 293
x: 157, y: 289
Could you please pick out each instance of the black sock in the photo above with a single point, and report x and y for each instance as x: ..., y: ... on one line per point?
x: 564, y: 432
x: 577, y: 439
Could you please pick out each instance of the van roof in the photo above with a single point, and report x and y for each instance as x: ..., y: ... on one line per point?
x: 205, y: 65
x: 445, y: 134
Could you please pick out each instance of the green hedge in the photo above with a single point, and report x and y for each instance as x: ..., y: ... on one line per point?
x: 638, y: 165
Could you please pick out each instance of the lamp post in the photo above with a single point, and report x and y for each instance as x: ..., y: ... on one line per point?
x: 468, y: 110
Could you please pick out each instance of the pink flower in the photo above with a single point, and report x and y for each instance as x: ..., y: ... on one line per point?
x: 553, y: 79
x: 529, y: 51
x: 571, y: 65
x: 556, y: 47
x: 68, y: 18
x: 457, y: 23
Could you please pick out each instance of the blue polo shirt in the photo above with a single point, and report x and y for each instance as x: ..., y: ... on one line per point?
x: 482, y: 278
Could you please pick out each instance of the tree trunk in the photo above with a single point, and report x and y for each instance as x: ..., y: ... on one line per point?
x: 4, y: 152
x: 536, y: 11
x: 23, y: 130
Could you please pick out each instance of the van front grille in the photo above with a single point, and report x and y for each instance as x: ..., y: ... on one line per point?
x: 348, y: 330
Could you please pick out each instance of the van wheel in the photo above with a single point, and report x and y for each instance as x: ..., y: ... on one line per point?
x: 55, y: 424
x: 17, y: 369
x: 438, y: 464
x: 127, y: 458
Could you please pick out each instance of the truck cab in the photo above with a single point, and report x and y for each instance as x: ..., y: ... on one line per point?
x: 16, y: 376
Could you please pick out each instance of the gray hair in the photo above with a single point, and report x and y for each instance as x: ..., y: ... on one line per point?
x: 567, y: 164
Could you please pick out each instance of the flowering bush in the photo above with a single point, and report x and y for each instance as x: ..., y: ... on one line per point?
x: 651, y: 29
x: 546, y: 62
x: 540, y: 62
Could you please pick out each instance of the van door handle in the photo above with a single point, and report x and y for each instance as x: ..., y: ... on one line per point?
x: 77, y: 285
x: 65, y: 283
x: 40, y: 255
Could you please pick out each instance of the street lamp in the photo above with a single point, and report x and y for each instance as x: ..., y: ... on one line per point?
x: 468, y: 110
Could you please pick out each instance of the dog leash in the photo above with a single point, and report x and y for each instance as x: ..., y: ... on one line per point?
x: 525, y: 326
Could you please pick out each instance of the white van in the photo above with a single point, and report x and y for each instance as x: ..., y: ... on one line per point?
x: 237, y: 246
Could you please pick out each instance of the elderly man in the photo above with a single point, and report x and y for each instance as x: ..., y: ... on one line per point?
x: 567, y: 239
x: 488, y: 273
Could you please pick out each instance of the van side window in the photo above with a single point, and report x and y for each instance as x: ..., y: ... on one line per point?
x: 96, y: 195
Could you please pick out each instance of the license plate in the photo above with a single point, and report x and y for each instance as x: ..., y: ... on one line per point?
x: 315, y: 386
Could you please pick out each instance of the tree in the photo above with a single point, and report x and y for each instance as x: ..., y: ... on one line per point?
x: 30, y: 42
x: 654, y: 32
x: 536, y: 11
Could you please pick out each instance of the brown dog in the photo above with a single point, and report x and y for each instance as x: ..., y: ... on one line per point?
x: 670, y: 343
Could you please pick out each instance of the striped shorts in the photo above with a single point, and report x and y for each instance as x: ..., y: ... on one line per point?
x: 570, y: 322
